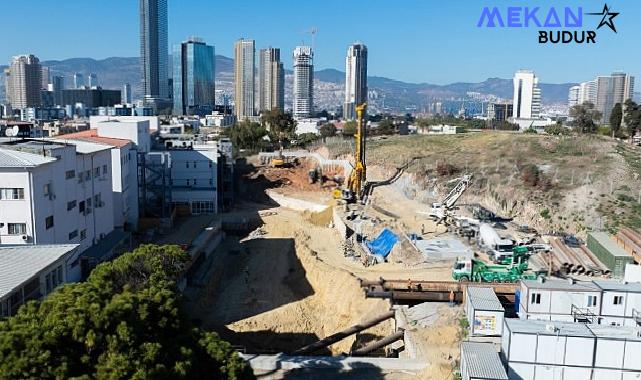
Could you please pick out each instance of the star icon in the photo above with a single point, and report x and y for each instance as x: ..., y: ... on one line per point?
x: 607, y: 18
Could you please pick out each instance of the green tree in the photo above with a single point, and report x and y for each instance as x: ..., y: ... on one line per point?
x: 632, y: 117
x: 305, y: 139
x: 328, y: 130
x: 349, y: 128
x: 124, y: 322
x: 279, y: 124
x: 615, y: 119
x: 585, y: 117
x: 247, y: 135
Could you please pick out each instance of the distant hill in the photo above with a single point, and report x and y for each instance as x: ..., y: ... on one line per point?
x: 113, y: 72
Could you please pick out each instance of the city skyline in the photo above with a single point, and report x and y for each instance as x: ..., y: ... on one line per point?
x: 462, y: 47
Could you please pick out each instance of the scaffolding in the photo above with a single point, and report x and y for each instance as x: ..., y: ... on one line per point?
x: 154, y: 184
x: 583, y: 315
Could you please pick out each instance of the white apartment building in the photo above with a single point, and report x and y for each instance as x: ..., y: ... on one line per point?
x: 303, y: 106
x: 527, y: 95
x: 154, y: 121
x: 124, y: 164
x: 244, y: 67
x: 605, y: 302
x: 55, y: 193
x: 574, y: 95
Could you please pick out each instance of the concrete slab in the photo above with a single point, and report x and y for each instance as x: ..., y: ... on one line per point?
x: 443, y: 248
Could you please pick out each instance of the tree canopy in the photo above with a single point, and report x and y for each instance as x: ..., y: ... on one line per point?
x: 328, y: 130
x: 247, y: 135
x: 124, y: 322
x: 281, y: 126
x: 615, y: 118
x: 585, y: 117
x: 349, y: 128
x: 632, y: 117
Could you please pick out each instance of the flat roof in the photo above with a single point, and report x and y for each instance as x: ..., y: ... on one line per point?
x: 484, y: 298
x: 619, y: 286
x: 560, y: 284
x: 85, y: 147
x: 10, y: 158
x: 482, y: 361
x: 609, y: 244
x: 530, y: 326
x: 20, y: 263
x: 91, y: 135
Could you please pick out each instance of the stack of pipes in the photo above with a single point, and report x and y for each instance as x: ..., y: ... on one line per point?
x: 601, y: 268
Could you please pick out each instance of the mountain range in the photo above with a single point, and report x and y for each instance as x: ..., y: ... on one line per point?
x: 385, y: 93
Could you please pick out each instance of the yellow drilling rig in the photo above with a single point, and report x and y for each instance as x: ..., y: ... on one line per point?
x: 355, y: 188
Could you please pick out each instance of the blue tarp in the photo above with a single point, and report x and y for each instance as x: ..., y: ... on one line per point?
x: 383, y: 244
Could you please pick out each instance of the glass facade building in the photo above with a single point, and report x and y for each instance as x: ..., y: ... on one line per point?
x: 153, y: 48
x: 193, y: 78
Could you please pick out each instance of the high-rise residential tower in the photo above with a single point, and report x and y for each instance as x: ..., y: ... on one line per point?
x: 244, y: 66
x: 303, y: 82
x: 92, y: 80
x: 78, y: 80
x: 271, y: 80
x: 193, y: 84
x: 24, y: 81
x: 355, y: 79
x: 126, y: 93
x: 46, y: 77
x: 574, y: 95
x: 527, y: 95
x: 154, y: 49
x: 610, y: 90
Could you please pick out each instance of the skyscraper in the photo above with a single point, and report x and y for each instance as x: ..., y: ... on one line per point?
x: 126, y: 93
x: 355, y: 79
x: 78, y: 80
x: 154, y: 49
x: 587, y: 92
x: 46, y: 76
x: 610, y: 90
x: 271, y: 80
x: 57, y: 85
x: 24, y: 81
x: 92, y: 80
x: 527, y: 95
x: 303, y: 82
x: 193, y: 84
x: 244, y: 65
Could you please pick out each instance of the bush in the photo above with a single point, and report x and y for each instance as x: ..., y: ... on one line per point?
x: 124, y: 322
x: 557, y: 129
x: 531, y: 131
x: 546, y: 214
x: 530, y: 175
x: 443, y: 169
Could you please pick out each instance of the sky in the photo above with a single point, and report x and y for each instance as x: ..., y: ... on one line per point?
x: 410, y: 40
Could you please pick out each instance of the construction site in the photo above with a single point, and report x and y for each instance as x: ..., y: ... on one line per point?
x: 359, y: 254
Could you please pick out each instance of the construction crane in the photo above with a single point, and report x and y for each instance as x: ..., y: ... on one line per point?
x: 356, y: 183
x: 440, y: 210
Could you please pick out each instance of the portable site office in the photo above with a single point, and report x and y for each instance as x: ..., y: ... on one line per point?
x: 484, y: 311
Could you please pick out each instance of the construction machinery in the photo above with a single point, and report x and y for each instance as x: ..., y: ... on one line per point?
x: 477, y: 271
x: 355, y: 188
x: 441, y: 210
x: 278, y: 161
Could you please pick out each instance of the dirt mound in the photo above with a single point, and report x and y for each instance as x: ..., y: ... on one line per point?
x: 320, y: 219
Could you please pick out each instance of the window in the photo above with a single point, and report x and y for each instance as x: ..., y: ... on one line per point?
x: 81, y: 207
x: 97, y: 200
x: 195, y: 182
x: 104, y: 170
x: 194, y: 164
x: 70, y: 174
x: 88, y: 175
x: 187, y: 163
x: 618, y: 300
x: 535, y: 298
x: 17, y: 228
x: 73, y: 234
x: 49, y: 222
x: 47, y: 189
x: 81, y: 177
x: 83, y: 234
x: 96, y: 172
x: 11, y: 193
x: 211, y: 164
x: 188, y: 183
x: 71, y: 205
x: 591, y: 301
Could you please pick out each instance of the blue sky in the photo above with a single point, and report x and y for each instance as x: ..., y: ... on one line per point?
x: 411, y: 40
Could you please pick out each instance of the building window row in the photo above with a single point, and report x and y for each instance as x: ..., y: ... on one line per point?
x: 11, y: 193
x: 53, y: 279
x: 17, y: 228
x: 70, y: 174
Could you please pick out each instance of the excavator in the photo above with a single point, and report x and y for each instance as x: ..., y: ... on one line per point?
x: 355, y: 188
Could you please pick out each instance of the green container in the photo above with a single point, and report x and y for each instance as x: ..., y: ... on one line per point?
x: 609, y: 253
